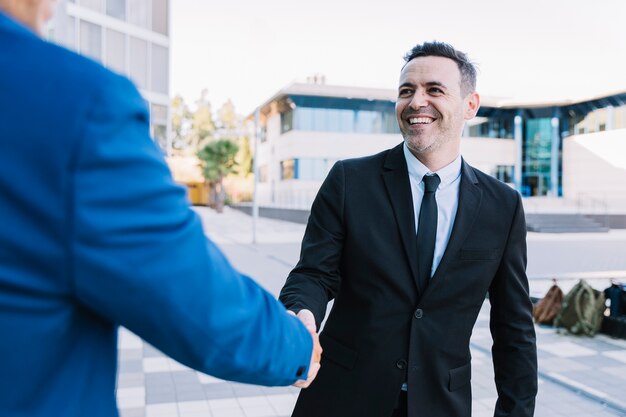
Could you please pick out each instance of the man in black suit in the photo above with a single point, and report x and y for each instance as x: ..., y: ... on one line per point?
x: 408, y: 242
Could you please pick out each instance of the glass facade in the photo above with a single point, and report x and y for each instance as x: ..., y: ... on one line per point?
x: 536, y: 157
x: 338, y: 120
x: 333, y: 114
x: 492, y: 127
x: 305, y: 169
x: 103, y: 30
x: 539, y: 126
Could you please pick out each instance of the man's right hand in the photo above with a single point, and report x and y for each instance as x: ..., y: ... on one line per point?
x: 307, y: 318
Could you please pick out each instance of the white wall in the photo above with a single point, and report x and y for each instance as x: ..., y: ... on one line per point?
x: 594, y: 170
x: 486, y: 153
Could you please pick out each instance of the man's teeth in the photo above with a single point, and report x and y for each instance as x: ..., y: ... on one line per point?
x: 420, y: 120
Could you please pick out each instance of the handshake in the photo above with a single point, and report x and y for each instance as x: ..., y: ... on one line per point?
x: 307, y: 318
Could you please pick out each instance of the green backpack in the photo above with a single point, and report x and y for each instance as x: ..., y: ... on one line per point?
x: 582, y: 310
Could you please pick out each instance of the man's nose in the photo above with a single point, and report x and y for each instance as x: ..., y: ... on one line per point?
x: 419, y: 100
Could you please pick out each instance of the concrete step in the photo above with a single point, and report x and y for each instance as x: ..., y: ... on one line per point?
x: 562, y: 223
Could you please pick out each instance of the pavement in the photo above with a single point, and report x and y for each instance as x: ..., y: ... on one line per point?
x: 578, y: 376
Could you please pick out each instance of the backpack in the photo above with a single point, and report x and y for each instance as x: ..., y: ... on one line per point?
x: 617, y: 296
x: 582, y: 310
x: 546, y: 309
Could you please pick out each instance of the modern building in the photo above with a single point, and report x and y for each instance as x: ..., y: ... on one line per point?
x: 130, y: 37
x: 569, y: 150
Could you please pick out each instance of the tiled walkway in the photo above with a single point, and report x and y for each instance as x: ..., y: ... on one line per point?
x: 578, y: 376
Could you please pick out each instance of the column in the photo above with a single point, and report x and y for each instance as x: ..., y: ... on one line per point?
x: 554, y: 155
x: 519, y: 150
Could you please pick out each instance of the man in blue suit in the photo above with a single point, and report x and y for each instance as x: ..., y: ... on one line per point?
x: 95, y: 234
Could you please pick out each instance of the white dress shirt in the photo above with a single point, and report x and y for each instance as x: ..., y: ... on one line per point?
x: 447, y: 197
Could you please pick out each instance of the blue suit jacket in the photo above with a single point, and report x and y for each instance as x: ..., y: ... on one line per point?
x: 95, y: 234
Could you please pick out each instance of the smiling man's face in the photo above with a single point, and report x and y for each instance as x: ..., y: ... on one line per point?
x: 431, y: 107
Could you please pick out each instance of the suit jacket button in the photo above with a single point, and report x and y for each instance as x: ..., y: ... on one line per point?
x: 419, y: 313
x: 401, y: 364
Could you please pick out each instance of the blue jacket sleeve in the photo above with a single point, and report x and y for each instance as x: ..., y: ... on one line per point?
x: 140, y: 257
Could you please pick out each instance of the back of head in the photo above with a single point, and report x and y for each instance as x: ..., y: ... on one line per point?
x: 32, y: 13
x: 442, y: 49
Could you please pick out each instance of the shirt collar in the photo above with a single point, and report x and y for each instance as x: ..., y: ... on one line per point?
x: 417, y: 170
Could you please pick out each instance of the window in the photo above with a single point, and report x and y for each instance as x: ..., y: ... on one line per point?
x: 158, y: 113
x: 263, y: 134
x: 116, y: 51
x: 575, y: 123
x: 116, y: 8
x: 338, y: 120
x: 160, y: 70
x: 601, y: 119
x: 139, y: 62
x: 312, y: 169
x: 368, y: 121
x: 504, y: 173
x: 139, y: 13
x: 287, y: 169
x: 70, y: 39
x: 91, y: 40
x: 159, y: 16
x: 263, y: 173
x: 159, y: 133
x: 286, y: 121
x: 491, y: 127
x: 92, y: 4
x: 590, y: 123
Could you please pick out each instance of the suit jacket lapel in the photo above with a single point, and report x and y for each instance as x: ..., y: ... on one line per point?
x: 396, y: 177
x: 470, y: 196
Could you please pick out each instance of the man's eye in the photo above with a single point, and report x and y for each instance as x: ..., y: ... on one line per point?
x: 435, y: 90
x: 404, y: 92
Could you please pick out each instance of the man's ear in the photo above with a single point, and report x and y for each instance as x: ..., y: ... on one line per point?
x: 472, y: 104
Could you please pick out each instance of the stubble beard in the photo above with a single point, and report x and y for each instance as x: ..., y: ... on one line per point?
x: 421, y: 146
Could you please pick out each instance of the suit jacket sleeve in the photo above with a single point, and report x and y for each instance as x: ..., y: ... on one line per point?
x: 512, y: 328
x: 316, y: 279
x: 140, y: 257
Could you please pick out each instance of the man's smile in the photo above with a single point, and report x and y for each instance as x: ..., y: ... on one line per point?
x: 420, y: 120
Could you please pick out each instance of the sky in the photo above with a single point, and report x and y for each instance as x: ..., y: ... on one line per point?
x: 247, y: 50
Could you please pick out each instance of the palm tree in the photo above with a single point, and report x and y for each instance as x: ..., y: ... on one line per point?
x: 218, y: 160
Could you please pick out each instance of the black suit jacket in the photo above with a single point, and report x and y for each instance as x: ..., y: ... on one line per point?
x: 360, y: 250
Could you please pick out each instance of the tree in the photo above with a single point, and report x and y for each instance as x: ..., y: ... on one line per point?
x: 218, y: 160
x: 181, y: 123
x: 202, y: 124
x: 244, y: 157
x: 227, y: 117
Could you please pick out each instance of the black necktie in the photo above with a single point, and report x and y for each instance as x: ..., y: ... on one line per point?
x: 427, y: 230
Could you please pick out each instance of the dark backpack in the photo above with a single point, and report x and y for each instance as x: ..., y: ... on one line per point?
x: 617, y: 296
x: 546, y: 309
x: 582, y: 310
